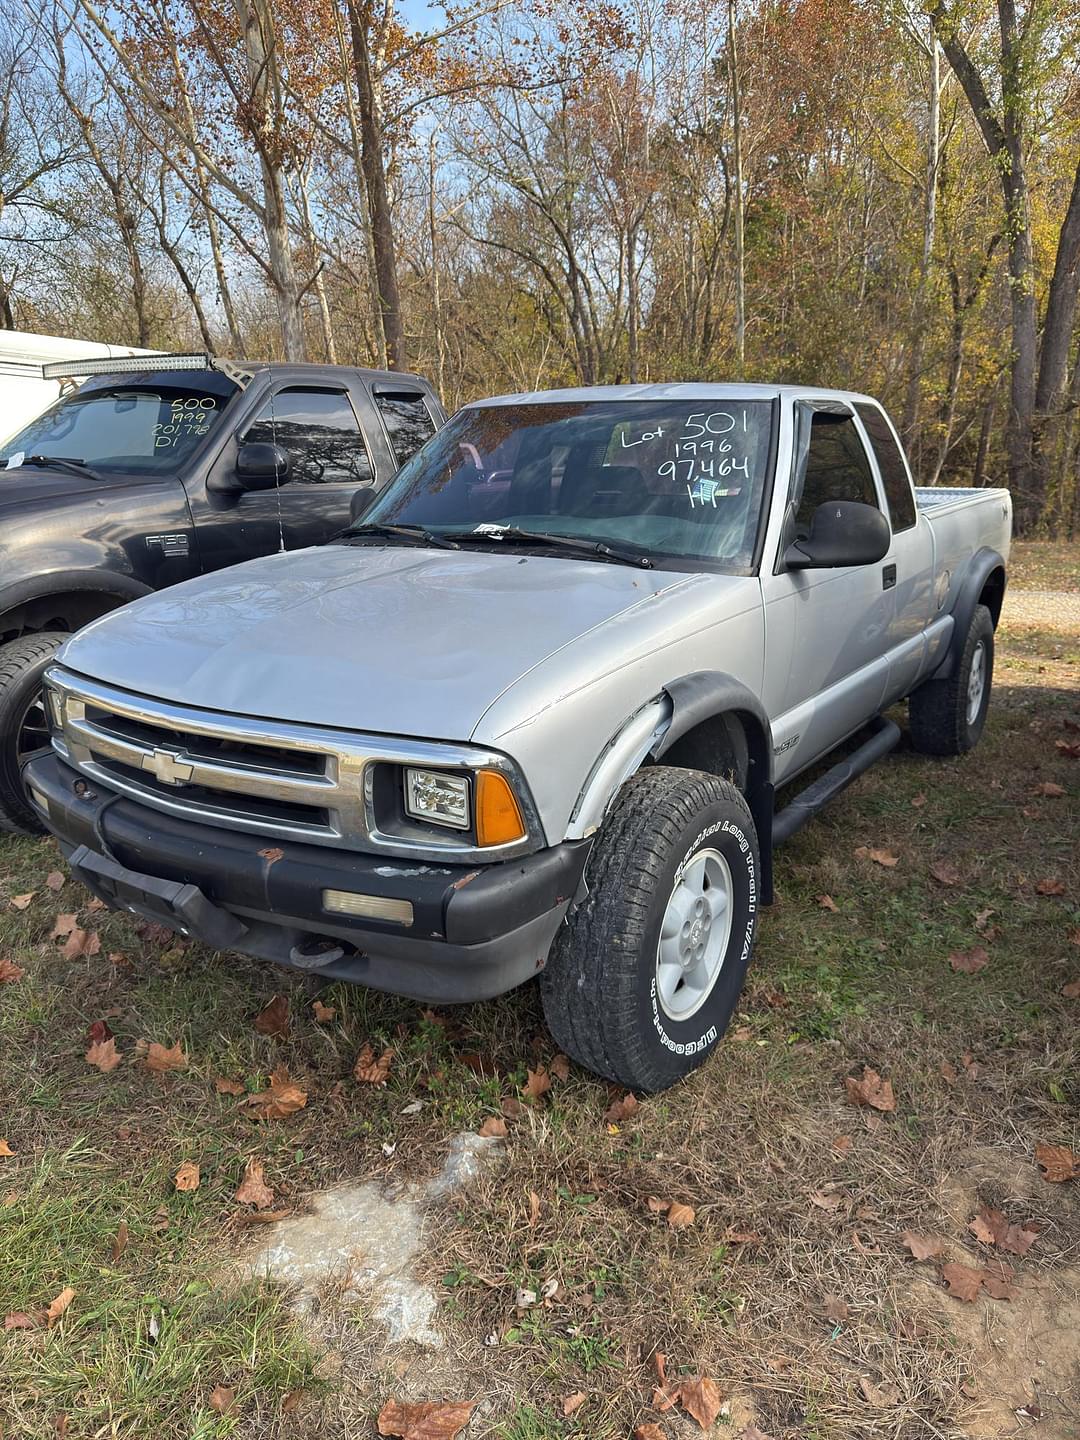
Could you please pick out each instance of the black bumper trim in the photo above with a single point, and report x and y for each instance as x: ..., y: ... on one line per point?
x: 476, y: 932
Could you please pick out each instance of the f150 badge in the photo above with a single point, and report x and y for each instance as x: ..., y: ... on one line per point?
x: 169, y: 545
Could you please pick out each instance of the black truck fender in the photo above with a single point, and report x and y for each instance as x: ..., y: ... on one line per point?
x: 72, y: 596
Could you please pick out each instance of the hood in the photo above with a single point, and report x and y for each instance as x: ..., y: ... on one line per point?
x: 26, y: 485
x: 396, y: 641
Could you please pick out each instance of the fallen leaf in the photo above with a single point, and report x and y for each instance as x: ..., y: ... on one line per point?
x: 6, y: 1153
x: 222, y: 1398
x: 1071, y: 989
x: 649, y: 1431
x: 923, y: 1247
x: 431, y: 1420
x: 512, y: 1107
x: 10, y: 972
x: 59, y: 1305
x: 880, y: 857
x: 997, y: 1285
x: 560, y: 1067
x: 918, y: 801
x: 291, y: 1402
x: 81, y: 942
x: 835, y: 1308
x: 19, y: 1320
x: 1069, y: 748
x: 701, y: 1398
x: 1050, y: 887
x: 945, y: 873
x: 962, y: 1281
x: 60, y: 1425
x: 65, y: 924
x: 120, y: 1240
x: 751, y: 1432
x: 323, y: 1013
x: 992, y: 1227
x: 680, y: 1216
x: 573, y: 1403
x: 948, y: 1072
x: 161, y: 1060
x: 969, y: 962
x: 1057, y: 1162
x: 55, y: 879
x: 826, y: 1199
x: 537, y: 1084
x: 187, y: 1177
x: 103, y: 1055
x: 880, y: 1396
x: 658, y: 1206
x: 253, y: 1189
x: 283, y: 1097
x: 273, y: 1018
x: 20, y: 902
x: 842, y: 1144
x: 828, y: 903
x: 1050, y: 790
x: 224, y: 1086
x: 624, y: 1109
x: 871, y: 1090
x: 368, y: 1070
x: 494, y: 1127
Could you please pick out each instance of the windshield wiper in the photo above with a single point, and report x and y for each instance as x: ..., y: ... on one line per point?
x: 71, y: 463
x: 418, y: 534
x: 514, y: 535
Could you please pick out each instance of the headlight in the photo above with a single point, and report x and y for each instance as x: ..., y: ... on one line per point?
x: 439, y: 798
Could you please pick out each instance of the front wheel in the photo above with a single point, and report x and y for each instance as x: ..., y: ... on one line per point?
x: 946, y: 717
x: 643, y: 979
x: 24, y: 729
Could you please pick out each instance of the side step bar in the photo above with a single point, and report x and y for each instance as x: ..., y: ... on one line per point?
x: 805, y: 806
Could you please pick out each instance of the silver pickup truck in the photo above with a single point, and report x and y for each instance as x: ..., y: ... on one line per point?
x: 531, y: 712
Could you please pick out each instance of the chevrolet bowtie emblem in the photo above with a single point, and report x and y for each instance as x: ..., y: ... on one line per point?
x: 167, y: 766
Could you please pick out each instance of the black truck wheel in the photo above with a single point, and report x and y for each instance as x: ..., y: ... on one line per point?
x: 23, y: 724
x: 946, y: 717
x: 643, y: 979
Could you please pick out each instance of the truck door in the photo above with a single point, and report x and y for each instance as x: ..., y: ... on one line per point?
x: 826, y: 630
x: 911, y: 555
x: 318, y: 426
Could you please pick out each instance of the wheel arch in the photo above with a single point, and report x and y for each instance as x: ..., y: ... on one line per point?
x: 67, y: 601
x: 983, y: 584
x: 706, y: 720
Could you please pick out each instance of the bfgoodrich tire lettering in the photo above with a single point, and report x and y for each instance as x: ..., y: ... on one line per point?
x: 602, y: 992
x: 946, y: 717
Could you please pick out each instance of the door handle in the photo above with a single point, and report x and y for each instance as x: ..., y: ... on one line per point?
x: 888, y: 577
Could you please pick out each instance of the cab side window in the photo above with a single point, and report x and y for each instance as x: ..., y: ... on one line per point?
x: 893, y: 470
x: 407, y: 421
x: 319, y: 429
x: 837, y: 468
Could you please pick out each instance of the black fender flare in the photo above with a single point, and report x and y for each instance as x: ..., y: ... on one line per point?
x: 705, y: 695
x: 980, y: 567
x: 66, y: 582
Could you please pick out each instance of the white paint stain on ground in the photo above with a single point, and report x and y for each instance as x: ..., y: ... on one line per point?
x: 369, y: 1240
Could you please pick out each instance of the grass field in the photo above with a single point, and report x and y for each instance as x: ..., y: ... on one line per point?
x: 792, y: 1287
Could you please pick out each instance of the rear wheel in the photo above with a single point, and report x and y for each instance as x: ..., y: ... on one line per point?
x: 24, y: 729
x: 643, y: 979
x: 946, y: 717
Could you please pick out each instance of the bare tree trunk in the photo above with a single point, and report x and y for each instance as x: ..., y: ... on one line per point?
x: 633, y: 303
x: 740, y: 255
x: 1057, y: 334
x: 436, y: 288
x: 318, y: 284
x: 374, y: 164
x: 190, y: 288
x: 256, y: 26
x: 918, y: 339
x: 378, y: 348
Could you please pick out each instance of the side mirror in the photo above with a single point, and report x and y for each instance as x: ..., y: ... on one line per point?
x: 261, y: 466
x: 360, y: 501
x: 842, y: 532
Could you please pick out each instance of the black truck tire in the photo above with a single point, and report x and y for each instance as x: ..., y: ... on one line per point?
x: 645, y: 975
x: 23, y: 723
x: 946, y: 717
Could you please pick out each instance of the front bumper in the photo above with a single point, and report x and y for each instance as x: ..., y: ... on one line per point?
x: 476, y: 932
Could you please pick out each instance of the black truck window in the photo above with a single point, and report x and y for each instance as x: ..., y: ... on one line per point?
x: 407, y: 421
x: 319, y: 429
x: 890, y: 459
x: 837, y: 467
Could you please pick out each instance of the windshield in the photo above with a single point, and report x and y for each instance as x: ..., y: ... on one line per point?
x: 678, y: 479
x: 122, y: 428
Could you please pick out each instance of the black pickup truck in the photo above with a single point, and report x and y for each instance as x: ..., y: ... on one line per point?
x: 155, y: 470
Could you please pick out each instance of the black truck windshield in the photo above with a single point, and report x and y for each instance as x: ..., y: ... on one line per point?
x: 119, y: 428
x: 678, y: 479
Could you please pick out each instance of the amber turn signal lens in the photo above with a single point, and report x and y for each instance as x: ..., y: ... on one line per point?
x: 498, y: 818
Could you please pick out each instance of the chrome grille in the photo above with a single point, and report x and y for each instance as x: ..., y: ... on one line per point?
x: 274, y: 778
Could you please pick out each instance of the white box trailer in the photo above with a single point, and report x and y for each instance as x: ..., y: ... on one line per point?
x: 24, y: 390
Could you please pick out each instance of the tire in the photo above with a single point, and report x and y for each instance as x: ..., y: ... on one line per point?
x: 942, y: 714
x: 22, y: 664
x: 609, y: 1002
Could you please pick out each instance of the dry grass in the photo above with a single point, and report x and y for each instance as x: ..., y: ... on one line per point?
x: 750, y: 1142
